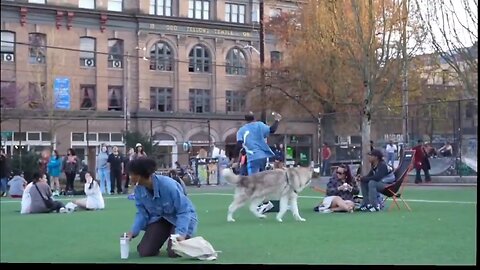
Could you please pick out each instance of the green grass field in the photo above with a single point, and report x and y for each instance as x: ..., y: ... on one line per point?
x: 441, y: 230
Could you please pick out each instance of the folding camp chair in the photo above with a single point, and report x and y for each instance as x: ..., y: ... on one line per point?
x: 395, y: 189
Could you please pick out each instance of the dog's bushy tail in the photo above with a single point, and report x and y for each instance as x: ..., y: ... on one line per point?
x: 230, y: 176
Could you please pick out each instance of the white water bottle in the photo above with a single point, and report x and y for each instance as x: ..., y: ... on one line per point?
x: 124, y: 246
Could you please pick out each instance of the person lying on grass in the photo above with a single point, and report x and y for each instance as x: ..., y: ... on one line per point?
x: 340, y: 191
x: 94, y: 199
x: 162, y: 209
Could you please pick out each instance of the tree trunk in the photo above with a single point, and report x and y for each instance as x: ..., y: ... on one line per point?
x: 366, y: 127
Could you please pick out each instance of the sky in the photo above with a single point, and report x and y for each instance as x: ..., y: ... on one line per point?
x: 459, y: 7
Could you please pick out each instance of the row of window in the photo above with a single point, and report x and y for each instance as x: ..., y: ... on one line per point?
x: 197, y: 9
x: 161, y: 99
x: 161, y: 54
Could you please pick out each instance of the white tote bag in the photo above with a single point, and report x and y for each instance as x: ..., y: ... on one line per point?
x: 197, y: 248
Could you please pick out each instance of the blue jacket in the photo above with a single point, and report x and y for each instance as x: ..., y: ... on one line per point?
x: 254, y: 136
x: 168, y: 202
x: 54, y: 166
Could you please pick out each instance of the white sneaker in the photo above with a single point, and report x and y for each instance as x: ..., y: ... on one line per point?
x: 325, y: 211
x: 63, y: 210
x: 262, y: 209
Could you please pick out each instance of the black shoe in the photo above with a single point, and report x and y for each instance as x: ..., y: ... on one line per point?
x: 418, y: 181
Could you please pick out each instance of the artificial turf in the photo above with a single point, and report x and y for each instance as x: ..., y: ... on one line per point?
x: 441, y: 230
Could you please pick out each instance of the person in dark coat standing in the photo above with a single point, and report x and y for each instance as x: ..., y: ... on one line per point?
x: 421, y: 162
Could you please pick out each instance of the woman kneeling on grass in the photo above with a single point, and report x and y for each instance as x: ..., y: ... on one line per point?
x: 94, y: 199
x: 340, y: 190
x: 162, y: 209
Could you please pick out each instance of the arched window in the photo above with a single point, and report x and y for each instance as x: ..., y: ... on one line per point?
x: 200, y: 60
x: 236, y: 63
x: 161, y: 57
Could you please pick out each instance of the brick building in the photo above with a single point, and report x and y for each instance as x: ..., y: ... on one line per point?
x: 77, y: 73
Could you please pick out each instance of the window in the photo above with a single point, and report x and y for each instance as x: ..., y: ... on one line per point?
x: 199, y: 9
x: 161, y: 99
x: 78, y: 137
x: 92, y: 137
x: 89, y: 4
x: 115, y: 53
x: 115, y: 5
x: 87, y: 97
x: 274, y: 12
x: 46, y: 136
x: 37, y: 95
x: 235, y: 101
x: 104, y: 137
x: 445, y: 76
x: 37, y: 1
x: 33, y: 136
x: 8, y: 95
x: 87, y: 52
x: 37, y: 49
x: 236, y: 63
x: 115, y: 98
x: 255, y: 12
x: 161, y: 57
x: 470, y: 110
x: 199, y: 59
x: 235, y: 13
x: 275, y: 58
x: 19, y: 136
x: 8, y: 46
x: 116, y: 137
x: 199, y: 100
x: 161, y: 7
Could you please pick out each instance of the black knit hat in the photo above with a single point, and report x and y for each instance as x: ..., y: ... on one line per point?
x: 249, y: 116
x: 376, y: 153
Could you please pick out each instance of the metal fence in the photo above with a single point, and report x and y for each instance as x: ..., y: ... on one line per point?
x: 435, y: 122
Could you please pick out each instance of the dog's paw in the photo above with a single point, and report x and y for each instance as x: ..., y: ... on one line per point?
x: 262, y: 216
x: 230, y: 219
x: 300, y: 219
x: 279, y: 219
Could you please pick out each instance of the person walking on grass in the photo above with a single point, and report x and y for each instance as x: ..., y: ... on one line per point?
x: 252, y: 137
x: 162, y: 209
x: 54, y: 167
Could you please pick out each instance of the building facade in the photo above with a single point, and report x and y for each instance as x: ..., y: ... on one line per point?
x: 78, y: 73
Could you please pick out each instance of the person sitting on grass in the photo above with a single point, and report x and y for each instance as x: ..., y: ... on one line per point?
x: 41, y: 196
x: 94, y: 199
x: 340, y: 191
x: 17, y: 185
x: 162, y: 209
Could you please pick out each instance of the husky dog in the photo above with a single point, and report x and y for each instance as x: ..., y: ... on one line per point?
x: 283, y: 184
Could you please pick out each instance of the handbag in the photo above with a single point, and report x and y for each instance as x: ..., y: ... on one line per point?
x: 48, y: 202
x: 195, y: 248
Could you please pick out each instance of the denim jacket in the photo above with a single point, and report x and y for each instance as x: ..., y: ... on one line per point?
x: 168, y: 202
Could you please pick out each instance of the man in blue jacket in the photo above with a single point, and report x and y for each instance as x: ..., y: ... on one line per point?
x: 162, y: 209
x: 253, y: 138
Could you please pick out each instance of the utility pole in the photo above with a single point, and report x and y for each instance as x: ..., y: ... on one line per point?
x: 262, y: 63
x: 126, y: 91
x: 405, y: 73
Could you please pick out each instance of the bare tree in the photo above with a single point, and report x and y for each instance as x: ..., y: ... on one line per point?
x: 453, y: 31
x: 346, y: 55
